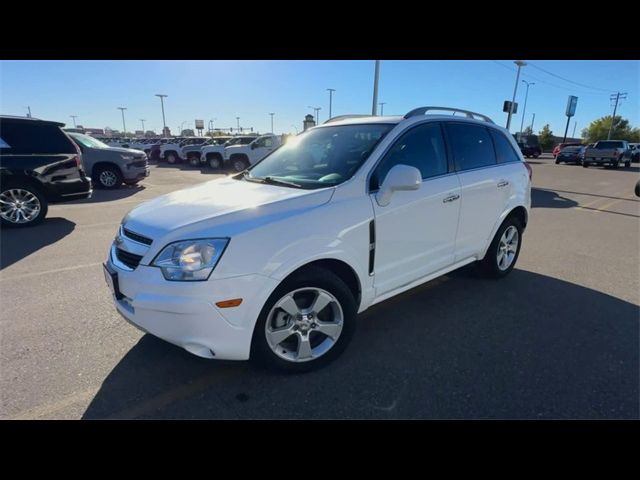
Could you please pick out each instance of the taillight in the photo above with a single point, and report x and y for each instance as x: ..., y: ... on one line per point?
x: 78, y: 156
x: 529, y: 169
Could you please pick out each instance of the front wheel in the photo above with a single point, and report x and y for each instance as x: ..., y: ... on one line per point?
x: 108, y: 177
x: 194, y: 161
x: 503, y: 252
x: 306, y: 323
x: 22, y: 206
x: 627, y: 164
x: 585, y: 164
x: 239, y: 164
x: 171, y: 158
x: 215, y: 162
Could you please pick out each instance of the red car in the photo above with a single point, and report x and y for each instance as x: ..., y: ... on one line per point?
x: 560, y: 146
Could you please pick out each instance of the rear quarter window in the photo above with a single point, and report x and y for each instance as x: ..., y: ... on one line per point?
x: 504, y: 151
x: 25, y: 139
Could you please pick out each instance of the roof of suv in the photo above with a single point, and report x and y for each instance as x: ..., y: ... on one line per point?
x: 16, y: 119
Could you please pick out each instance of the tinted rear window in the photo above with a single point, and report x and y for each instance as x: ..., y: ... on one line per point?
x: 26, y: 138
x: 504, y: 151
x: 610, y: 145
x: 472, y: 146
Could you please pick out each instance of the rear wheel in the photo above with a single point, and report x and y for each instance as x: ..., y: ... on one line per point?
x: 171, y: 158
x: 22, y: 206
x: 239, y: 164
x: 627, y: 164
x: 585, y: 164
x: 557, y: 162
x: 194, y: 161
x: 503, y: 252
x: 108, y: 177
x: 214, y: 161
x: 306, y: 323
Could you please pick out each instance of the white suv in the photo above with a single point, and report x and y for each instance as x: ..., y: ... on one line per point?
x: 241, y: 156
x: 275, y: 263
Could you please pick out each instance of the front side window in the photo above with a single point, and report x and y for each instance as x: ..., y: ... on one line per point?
x: 504, y: 151
x: 472, y: 146
x: 421, y: 147
x: 88, y: 141
x: 321, y: 157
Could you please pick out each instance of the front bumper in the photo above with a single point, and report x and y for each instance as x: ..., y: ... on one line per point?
x: 185, y: 313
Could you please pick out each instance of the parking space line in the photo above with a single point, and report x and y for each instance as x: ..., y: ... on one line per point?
x: 46, y: 272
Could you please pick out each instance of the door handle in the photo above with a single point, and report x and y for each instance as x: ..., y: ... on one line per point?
x: 503, y: 183
x: 451, y: 198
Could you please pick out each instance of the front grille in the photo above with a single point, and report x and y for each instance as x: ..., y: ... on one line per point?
x: 139, y: 163
x: 129, y: 259
x: 135, y: 237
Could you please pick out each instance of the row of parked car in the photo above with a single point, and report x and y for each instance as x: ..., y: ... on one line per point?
x: 605, y: 152
x: 235, y: 152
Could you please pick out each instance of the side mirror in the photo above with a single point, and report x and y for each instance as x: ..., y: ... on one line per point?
x: 400, y: 177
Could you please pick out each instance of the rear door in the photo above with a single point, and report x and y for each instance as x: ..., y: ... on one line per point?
x: 262, y: 147
x: 483, y: 185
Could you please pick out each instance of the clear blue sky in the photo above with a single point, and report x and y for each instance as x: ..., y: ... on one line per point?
x: 222, y: 90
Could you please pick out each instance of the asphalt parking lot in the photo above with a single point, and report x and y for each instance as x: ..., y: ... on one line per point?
x: 558, y: 338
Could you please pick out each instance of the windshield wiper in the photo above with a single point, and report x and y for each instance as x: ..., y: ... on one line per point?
x: 270, y: 180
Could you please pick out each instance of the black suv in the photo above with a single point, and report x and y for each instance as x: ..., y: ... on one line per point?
x: 39, y: 165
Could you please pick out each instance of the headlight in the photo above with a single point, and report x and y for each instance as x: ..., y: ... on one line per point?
x: 127, y: 157
x: 190, y: 260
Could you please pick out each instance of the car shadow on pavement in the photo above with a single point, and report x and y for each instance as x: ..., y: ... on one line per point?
x: 527, y: 346
x: 549, y: 199
x: 18, y: 243
x: 100, y: 195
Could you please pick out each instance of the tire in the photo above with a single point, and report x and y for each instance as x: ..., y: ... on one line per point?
x: 171, y: 158
x: 29, y: 195
x: 239, y: 164
x: 495, y: 265
x: 107, y: 177
x: 214, y: 161
x: 627, y: 164
x: 323, y: 349
x: 536, y: 155
x: 637, y: 189
x: 585, y: 164
x: 194, y: 161
x: 615, y: 164
x: 557, y: 162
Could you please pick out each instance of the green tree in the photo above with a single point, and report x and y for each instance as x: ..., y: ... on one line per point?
x: 599, y: 130
x: 527, y: 131
x: 545, y: 137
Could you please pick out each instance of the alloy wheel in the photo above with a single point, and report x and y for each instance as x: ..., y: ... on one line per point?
x: 19, y: 206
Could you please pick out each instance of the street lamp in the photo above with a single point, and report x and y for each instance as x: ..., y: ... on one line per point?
x: 124, y: 127
x: 525, y: 104
x: 376, y: 77
x: 142, y: 120
x: 272, y: 114
x: 74, y: 120
x: 238, y: 123
x: 316, y: 111
x: 29, y: 110
x: 211, y: 124
x: 164, y: 123
x: 330, y: 90
x: 520, y: 64
x: 382, y: 104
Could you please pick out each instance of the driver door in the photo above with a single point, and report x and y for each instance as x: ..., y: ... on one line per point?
x: 415, y: 234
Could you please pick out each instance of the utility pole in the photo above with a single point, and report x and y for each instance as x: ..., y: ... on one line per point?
x: 74, y: 120
x: 525, y: 104
x: 330, y: 90
x: 382, y: 104
x: 617, y: 98
x: 272, y: 114
x: 532, y: 119
x: 164, y: 122
x: 124, y: 127
x: 142, y: 120
x: 376, y: 76
x: 520, y: 64
x: 29, y: 110
x: 315, y: 112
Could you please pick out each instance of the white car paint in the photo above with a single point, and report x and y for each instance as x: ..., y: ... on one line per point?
x: 255, y: 151
x: 274, y: 230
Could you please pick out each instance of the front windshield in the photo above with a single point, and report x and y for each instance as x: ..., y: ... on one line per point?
x: 321, y: 157
x: 89, y: 142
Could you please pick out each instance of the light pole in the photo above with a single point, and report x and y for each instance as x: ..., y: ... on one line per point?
x: 525, y: 104
x: 124, y: 127
x: 142, y: 121
x: 520, y: 64
x: 29, y: 110
x: 74, y: 120
x: 272, y: 114
x: 315, y: 111
x: 376, y: 76
x: 164, y: 122
x: 575, y: 124
x: 330, y: 90
x: 238, y: 123
x: 532, y: 119
x: 382, y: 104
x: 211, y: 124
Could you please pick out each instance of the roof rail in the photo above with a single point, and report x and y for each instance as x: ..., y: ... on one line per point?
x: 468, y: 114
x: 344, y: 117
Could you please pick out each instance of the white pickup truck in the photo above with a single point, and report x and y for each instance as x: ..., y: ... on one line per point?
x: 611, y: 152
x: 172, y: 152
x: 212, y: 155
x: 241, y: 157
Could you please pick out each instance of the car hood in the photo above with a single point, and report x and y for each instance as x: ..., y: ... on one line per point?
x: 224, y: 205
x: 130, y: 151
